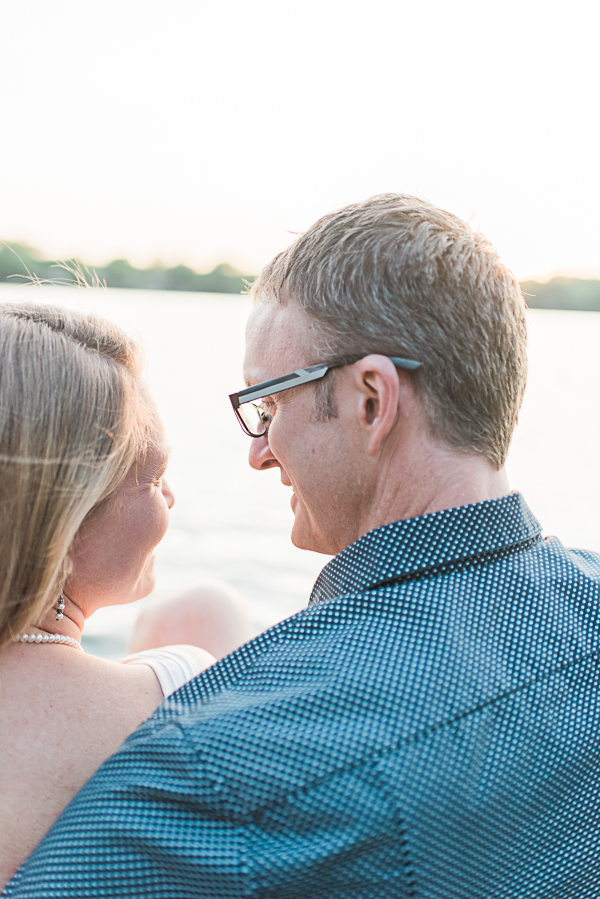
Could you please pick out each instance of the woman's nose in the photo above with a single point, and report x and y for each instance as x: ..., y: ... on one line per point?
x: 168, y: 494
x: 260, y: 455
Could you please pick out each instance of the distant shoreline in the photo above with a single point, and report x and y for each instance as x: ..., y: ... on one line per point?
x: 19, y: 261
x: 576, y: 294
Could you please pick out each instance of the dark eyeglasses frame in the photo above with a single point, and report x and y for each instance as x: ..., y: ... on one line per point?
x: 299, y: 377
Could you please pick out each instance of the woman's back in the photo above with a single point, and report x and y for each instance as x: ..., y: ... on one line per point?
x: 62, y: 712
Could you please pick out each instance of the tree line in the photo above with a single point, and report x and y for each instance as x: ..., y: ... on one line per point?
x: 19, y: 261
x: 581, y: 294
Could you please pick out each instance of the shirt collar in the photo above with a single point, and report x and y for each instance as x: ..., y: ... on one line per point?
x: 414, y: 546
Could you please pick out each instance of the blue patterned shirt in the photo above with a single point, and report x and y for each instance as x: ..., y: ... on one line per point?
x: 428, y: 727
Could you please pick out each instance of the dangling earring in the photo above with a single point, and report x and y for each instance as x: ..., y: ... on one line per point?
x: 61, y: 605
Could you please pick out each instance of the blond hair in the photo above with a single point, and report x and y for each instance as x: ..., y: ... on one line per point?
x: 398, y: 276
x: 73, y: 418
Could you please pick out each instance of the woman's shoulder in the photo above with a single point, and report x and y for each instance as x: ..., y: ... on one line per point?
x: 132, y: 693
x: 172, y: 665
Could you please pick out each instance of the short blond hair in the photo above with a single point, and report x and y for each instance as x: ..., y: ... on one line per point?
x: 398, y: 276
x: 74, y: 416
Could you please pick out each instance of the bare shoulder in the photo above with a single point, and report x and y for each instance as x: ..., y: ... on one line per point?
x: 77, y: 686
x: 121, y: 691
x: 99, y: 703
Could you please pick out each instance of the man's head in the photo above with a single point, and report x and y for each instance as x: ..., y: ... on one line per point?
x: 390, y: 277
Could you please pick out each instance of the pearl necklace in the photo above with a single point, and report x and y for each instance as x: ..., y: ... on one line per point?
x: 47, y: 638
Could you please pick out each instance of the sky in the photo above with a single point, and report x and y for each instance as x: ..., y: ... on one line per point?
x: 209, y: 132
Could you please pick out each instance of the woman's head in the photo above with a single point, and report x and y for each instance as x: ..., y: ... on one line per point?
x: 74, y: 417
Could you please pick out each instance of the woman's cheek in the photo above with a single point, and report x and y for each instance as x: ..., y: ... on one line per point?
x: 161, y: 519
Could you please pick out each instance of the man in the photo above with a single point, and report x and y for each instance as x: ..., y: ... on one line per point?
x: 428, y: 727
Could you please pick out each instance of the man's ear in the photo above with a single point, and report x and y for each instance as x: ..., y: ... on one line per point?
x: 378, y: 386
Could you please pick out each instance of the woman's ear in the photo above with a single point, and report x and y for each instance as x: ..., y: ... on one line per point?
x: 378, y: 384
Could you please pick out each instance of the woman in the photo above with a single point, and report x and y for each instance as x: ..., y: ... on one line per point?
x: 83, y: 504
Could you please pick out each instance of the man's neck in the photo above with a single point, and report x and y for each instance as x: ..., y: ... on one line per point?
x: 431, y: 479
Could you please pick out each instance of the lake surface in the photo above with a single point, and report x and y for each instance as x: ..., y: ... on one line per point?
x: 233, y: 523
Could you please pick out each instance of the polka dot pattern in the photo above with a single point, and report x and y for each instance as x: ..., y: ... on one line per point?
x: 428, y: 727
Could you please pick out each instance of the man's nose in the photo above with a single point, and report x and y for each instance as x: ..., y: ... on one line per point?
x: 168, y: 494
x: 260, y: 455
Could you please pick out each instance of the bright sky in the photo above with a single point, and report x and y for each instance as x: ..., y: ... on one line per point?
x: 205, y: 132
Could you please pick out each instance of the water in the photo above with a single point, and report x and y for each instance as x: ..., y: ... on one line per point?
x: 234, y: 523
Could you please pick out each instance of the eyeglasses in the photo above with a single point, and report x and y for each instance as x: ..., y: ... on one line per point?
x: 253, y: 416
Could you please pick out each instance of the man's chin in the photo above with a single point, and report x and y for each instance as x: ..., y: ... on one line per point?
x: 304, y: 537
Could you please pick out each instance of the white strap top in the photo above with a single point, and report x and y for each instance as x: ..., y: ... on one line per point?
x: 173, y: 665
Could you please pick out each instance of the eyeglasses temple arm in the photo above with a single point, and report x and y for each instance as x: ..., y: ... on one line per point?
x: 408, y: 364
x: 295, y: 379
